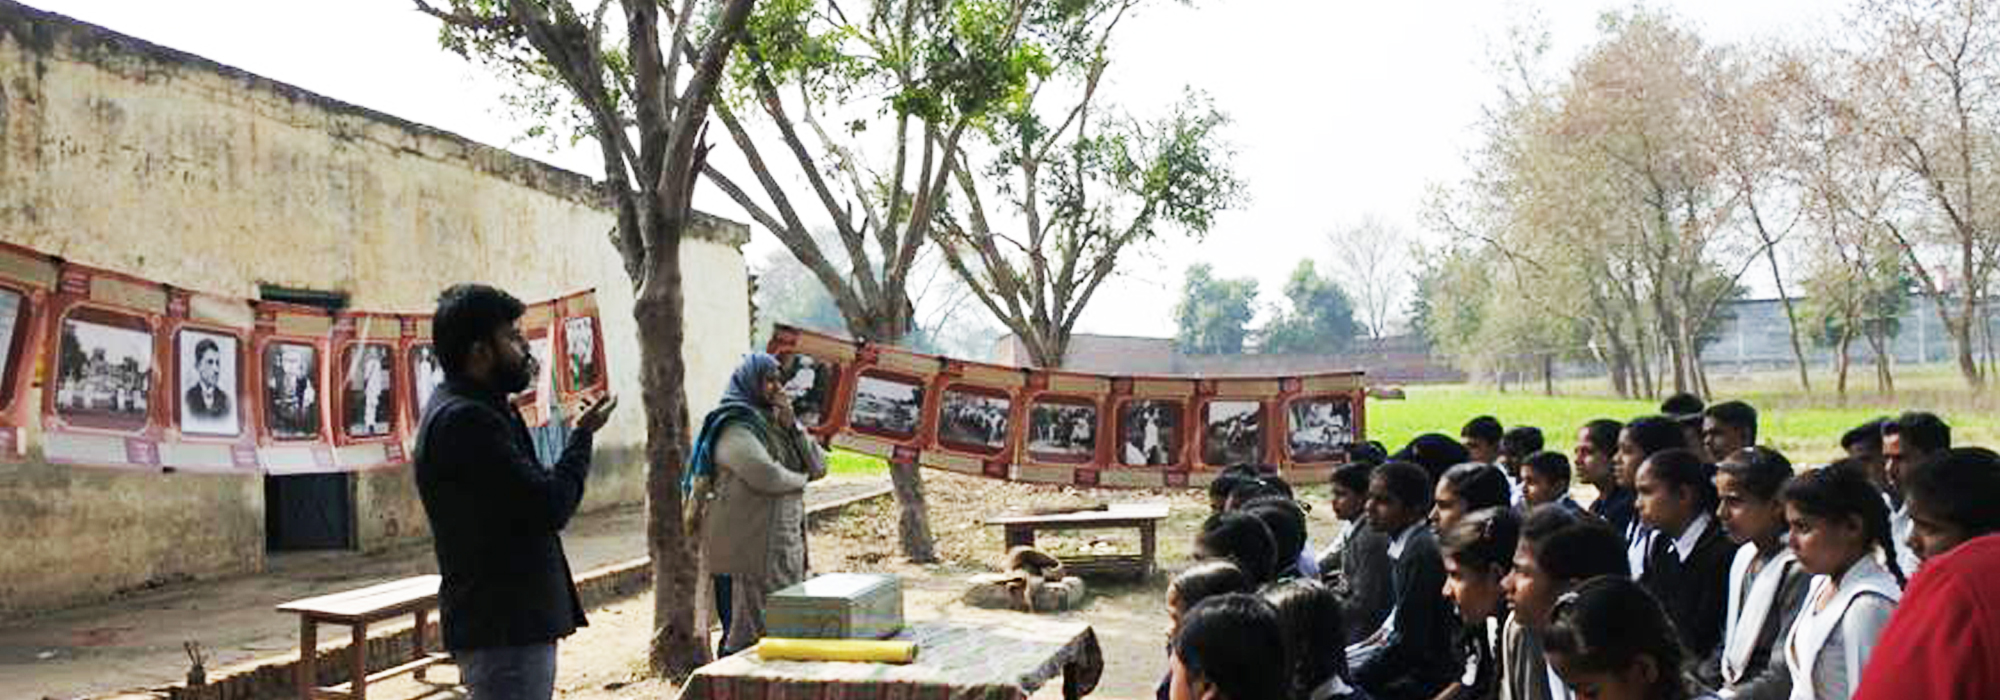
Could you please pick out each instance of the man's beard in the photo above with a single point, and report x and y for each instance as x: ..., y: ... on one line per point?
x: 516, y: 378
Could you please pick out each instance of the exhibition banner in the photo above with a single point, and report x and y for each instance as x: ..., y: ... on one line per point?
x: 139, y: 375
x: 1058, y: 427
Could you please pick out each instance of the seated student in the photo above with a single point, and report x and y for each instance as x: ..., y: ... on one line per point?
x: 1356, y: 566
x: 1465, y: 488
x: 1911, y: 439
x: 1556, y: 552
x: 1287, y: 522
x: 1262, y: 487
x: 1199, y: 582
x: 1863, y: 444
x: 1309, y: 613
x: 1243, y: 540
x: 1434, y: 452
x: 1687, y: 568
x: 1545, y: 480
x: 1230, y: 647
x: 1766, y: 585
x: 1481, y: 437
x: 1684, y: 410
x: 1515, y: 446
x: 1610, y: 640
x: 1225, y: 482
x: 1640, y: 439
x: 1727, y: 427
x: 1838, y: 526
x: 1597, y: 465
x: 1478, y: 552
x: 1944, y: 640
x: 1401, y: 659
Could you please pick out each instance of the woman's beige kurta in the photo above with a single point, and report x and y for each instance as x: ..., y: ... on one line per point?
x: 755, y: 529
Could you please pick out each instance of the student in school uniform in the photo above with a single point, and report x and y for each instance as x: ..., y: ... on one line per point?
x: 1556, y: 551
x: 1314, y: 631
x: 1478, y: 553
x: 1766, y: 585
x: 1943, y: 643
x: 1230, y: 647
x: 1481, y: 437
x: 1909, y: 440
x: 1466, y: 488
x: 1610, y: 640
x: 1596, y: 464
x: 1727, y: 427
x: 1515, y: 446
x: 1641, y: 438
x: 1409, y: 656
x: 1687, y: 568
x: 1356, y: 566
x: 1839, y: 528
x: 1545, y: 480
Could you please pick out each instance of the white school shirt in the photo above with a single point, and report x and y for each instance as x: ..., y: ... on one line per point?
x: 1751, y: 600
x: 1866, y: 594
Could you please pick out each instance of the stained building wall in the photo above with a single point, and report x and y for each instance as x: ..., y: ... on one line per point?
x: 145, y: 160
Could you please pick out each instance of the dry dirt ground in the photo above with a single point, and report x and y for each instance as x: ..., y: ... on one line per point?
x: 605, y: 660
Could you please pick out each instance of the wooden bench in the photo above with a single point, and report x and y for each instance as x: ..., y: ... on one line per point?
x: 1145, y: 517
x: 358, y: 609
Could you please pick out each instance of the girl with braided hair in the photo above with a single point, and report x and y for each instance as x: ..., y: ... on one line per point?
x: 1840, y: 534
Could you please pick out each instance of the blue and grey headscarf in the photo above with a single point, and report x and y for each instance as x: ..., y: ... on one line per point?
x: 742, y: 401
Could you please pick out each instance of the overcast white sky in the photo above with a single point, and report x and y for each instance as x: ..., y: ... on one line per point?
x: 1341, y: 108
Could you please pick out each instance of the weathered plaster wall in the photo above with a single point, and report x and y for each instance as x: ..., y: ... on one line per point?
x: 145, y: 160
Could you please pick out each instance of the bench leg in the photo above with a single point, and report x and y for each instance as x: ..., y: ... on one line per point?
x: 1147, y: 547
x: 308, y: 668
x: 357, y: 661
x: 423, y: 624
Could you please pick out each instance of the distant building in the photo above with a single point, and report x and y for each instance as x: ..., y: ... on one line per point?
x: 1395, y: 359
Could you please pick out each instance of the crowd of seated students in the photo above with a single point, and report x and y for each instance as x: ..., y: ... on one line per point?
x: 1703, y: 565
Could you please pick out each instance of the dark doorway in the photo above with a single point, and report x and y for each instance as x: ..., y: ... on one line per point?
x: 308, y: 511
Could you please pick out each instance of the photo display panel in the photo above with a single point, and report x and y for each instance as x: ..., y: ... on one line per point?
x: 27, y: 279
x: 1061, y: 427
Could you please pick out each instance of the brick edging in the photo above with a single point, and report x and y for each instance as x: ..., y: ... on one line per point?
x: 390, y: 644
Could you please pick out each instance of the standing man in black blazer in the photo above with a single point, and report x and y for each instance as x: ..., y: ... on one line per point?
x: 496, y: 512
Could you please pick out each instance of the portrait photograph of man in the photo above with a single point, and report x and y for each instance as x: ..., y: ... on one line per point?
x: 291, y: 391
x: 366, y: 402
x: 208, y: 369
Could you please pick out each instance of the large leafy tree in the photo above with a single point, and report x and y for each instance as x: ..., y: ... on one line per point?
x: 867, y: 105
x: 1213, y: 316
x: 620, y: 80
x: 1319, y: 319
x: 1076, y: 186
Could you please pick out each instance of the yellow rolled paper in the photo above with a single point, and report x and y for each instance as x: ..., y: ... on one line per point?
x: 863, y: 650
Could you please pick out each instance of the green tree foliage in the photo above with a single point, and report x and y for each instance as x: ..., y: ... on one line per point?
x: 1076, y: 185
x: 1320, y: 317
x: 1213, y: 316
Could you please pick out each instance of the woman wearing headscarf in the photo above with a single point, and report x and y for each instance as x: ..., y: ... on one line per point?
x: 746, y: 483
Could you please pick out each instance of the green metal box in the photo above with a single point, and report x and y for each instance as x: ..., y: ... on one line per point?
x: 837, y: 606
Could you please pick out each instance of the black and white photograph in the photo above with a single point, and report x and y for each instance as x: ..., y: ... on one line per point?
x: 425, y: 374
x: 542, y: 348
x: 887, y: 406
x: 1150, y: 433
x: 11, y: 308
x: 973, y: 420
x: 291, y: 390
x: 1319, y: 426
x: 209, y: 365
x: 1235, y: 433
x: 1064, y: 432
x: 366, y: 399
x: 580, y: 353
x: 104, y: 371
x: 809, y: 381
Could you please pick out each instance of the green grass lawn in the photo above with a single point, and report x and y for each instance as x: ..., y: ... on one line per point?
x: 1806, y: 427
x: 844, y: 463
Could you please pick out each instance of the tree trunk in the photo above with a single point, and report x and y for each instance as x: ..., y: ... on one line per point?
x: 1840, y: 362
x: 1884, y: 382
x: 678, y: 646
x: 1962, y: 337
x: 1548, y: 375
